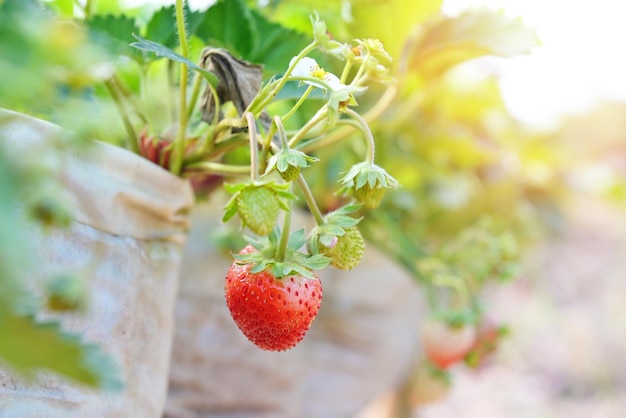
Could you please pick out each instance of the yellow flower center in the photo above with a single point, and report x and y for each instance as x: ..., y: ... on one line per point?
x: 318, y: 72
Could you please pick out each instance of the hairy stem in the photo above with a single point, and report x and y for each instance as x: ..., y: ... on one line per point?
x: 298, y: 103
x: 254, y: 147
x: 319, y: 116
x: 284, y: 235
x: 179, y: 147
x: 281, y: 132
x: 367, y: 132
x: 310, y: 200
x: 195, y: 92
x: 255, y: 106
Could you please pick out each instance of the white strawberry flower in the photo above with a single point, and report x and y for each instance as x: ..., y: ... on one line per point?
x: 309, y: 68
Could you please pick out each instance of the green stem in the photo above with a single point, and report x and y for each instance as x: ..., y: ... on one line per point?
x: 345, y: 72
x: 255, y: 106
x: 130, y: 98
x: 281, y: 251
x: 254, y: 147
x: 371, y: 146
x: 179, y: 148
x: 133, y: 143
x: 310, y: 200
x: 298, y: 103
x: 347, y: 127
x: 281, y: 132
x: 195, y: 92
x: 321, y: 114
x: 361, y: 70
x: 374, y: 113
x: 219, y: 168
x: 171, y: 90
x: 143, y: 92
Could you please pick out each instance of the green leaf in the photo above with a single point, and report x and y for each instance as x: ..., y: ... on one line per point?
x: 274, y: 45
x: 297, y: 239
x: 28, y: 347
x: 163, y: 51
x: 114, y: 33
x: 162, y: 26
x: 317, y: 262
x: 228, y: 24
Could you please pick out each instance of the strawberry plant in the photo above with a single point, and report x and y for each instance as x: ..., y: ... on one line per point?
x: 280, y: 113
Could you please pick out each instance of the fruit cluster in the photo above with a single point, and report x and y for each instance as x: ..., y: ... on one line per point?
x: 272, y: 289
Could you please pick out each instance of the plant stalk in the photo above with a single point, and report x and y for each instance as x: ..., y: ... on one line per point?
x: 281, y: 251
x: 254, y: 147
x: 310, y: 200
x: 321, y: 114
x: 179, y: 147
x: 371, y: 146
x: 133, y: 142
x: 298, y: 103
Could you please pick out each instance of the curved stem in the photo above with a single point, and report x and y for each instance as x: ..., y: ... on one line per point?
x: 281, y: 132
x: 371, y: 147
x: 254, y: 147
x: 298, y: 103
x: 348, y: 126
x: 374, y: 113
x: 195, y: 92
x: 310, y: 200
x: 321, y: 114
x: 361, y: 70
x: 255, y: 106
x: 346, y: 71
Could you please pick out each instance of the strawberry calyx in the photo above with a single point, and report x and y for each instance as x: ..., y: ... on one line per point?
x: 293, y: 261
x: 338, y: 238
x: 289, y: 162
x: 367, y: 182
x: 334, y: 225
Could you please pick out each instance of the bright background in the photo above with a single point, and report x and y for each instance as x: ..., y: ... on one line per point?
x: 582, y: 60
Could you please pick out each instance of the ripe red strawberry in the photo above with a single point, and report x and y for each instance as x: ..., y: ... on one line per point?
x: 445, y: 344
x: 274, y: 314
x: 488, y: 338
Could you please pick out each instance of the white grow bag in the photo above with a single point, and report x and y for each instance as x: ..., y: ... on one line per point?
x: 130, y: 222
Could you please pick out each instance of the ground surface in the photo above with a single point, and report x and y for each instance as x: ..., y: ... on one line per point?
x: 566, y: 356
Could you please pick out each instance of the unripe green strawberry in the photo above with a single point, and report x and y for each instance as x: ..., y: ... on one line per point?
x: 369, y: 197
x: 348, y: 251
x: 367, y: 182
x: 258, y: 208
x: 290, y: 174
